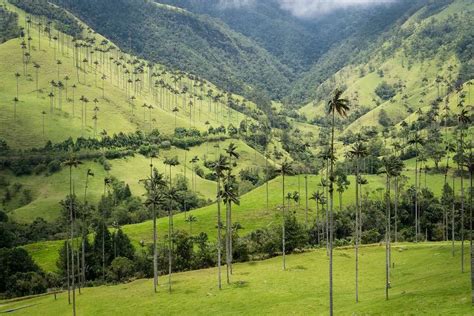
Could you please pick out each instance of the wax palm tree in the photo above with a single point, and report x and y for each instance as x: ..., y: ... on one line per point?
x: 229, y: 195
x: 317, y: 196
x: 191, y: 219
x: 170, y: 195
x: 463, y: 123
x: 340, y: 106
x: 15, y: 102
x: 89, y: 173
x: 232, y: 153
x: 37, y: 68
x: 392, y: 167
x: 175, y: 111
x: 17, y: 77
x: 72, y: 162
x: 416, y: 140
x: 193, y: 162
x: 357, y: 152
x: 285, y: 169
x: 43, y: 113
x: 220, y: 166
x: 153, y: 184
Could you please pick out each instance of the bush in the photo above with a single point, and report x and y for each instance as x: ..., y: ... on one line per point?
x: 26, y: 283
x: 120, y: 269
x: 385, y: 91
x: 54, y: 166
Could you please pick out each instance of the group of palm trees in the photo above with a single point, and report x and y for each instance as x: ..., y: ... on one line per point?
x: 135, y: 77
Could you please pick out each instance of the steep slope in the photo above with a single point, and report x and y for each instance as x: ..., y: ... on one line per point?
x: 180, y: 39
x: 421, y: 60
x: 43, y: 101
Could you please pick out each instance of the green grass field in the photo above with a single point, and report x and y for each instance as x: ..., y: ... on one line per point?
x: 252, y: 213
x: 425, y: 280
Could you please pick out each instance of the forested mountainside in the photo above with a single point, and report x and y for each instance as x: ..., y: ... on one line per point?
x: 187, y: 41
x: 259, y: 46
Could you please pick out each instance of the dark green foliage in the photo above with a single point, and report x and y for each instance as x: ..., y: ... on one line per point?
x: 8, y: 28
x: 63, y: 21
x: 384, y: 120
x: 120, y: 269
x: 186, y: 41
x: 122, y: 245
x: 13, y: 261
x: 26, y: 283
x: 385, y: 91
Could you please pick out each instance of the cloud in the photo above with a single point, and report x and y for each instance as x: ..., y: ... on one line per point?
x: 310, y: 8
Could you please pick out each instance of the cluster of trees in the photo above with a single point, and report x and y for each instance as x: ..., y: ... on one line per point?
x: 64, y: 22
x: 14, y: 234
x: 8, y: 25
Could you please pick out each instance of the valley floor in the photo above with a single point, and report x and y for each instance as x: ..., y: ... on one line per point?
x: 426, y: 280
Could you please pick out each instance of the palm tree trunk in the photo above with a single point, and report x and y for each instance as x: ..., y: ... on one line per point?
x: 68, y: 273
x: 155, y: 252
x: 387, y: 241
x: 72, y: 242
x: 396, y: 209
x: 331, y: 200
x: 306, y: 199
x: 283, y: 241
x: 416, y: 195
x: 227, y: 215
x: 452, y: 216
x: 170, y: 246
x: 461, y: 169
x: 356, y: 235
x: 219, y: 281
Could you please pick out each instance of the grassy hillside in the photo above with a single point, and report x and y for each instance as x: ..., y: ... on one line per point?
x: 409, y: 58
x: 263, y: 288
x: 252, y: 212
x: 46, y: 112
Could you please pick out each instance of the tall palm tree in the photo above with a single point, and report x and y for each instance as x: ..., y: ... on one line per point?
x: 153, y: 184
x: 175, y: 111
x: 416, y: 140
x: 231, y: 151
x: 15, y: 102
x: 285, y: 169
x: 463, y: 122
x: 191, y: 219
x: 171, y: 162
x: 392, y: 167
x: 318, y: 197
x: 37, y: 68
x: 89, y: 173
x: 229, y: 195
x: 72, y: 162
x: 340, y: 106
x: 17, y: 77
x: 220, y: 166
x: 357, y: 152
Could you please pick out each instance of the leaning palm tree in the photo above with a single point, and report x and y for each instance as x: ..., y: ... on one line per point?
x: 285, y: 169
x: 336, y: 105
x: 357, y: 152
x: 72, y: 162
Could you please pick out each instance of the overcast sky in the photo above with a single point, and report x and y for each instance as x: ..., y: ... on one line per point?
x: 308, y: 8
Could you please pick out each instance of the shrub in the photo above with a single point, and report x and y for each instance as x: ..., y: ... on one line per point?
x: 120, y: 269
x: 54, y: 166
